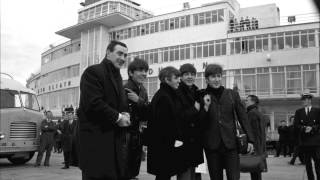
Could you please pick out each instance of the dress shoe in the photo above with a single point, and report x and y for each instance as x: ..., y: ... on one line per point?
x: 46, y: 165
x: 36, y: 165
x: 65, y: 167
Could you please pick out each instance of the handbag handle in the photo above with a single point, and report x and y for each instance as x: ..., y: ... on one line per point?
x: 237, y: 123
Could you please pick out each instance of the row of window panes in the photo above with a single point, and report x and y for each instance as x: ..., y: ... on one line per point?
x: 168, y: 24
x: 61, y: 52
x: 103, y: 9
x: 150, y: 28
x: 208, y: 17
x: 262, y: 81
x: 59, y: 75
x: 58, y: 99
x: 279, y: 41
x: 182, y: 52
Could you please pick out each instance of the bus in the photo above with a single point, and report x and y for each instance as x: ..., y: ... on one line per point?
x: 20, y: 119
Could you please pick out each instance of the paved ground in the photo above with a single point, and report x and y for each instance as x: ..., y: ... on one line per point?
x: 278, y: 170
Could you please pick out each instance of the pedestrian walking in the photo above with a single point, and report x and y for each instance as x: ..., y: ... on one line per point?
x: 48, y: 130
x: 258, y: 126
x: 307, y: 121
x: 102, y: 109
x: 283, y: 141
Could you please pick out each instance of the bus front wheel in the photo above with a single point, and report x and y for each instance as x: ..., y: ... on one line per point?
x: 20, y: 160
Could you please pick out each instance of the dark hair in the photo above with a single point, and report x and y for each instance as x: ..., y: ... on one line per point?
x: 113, y: 43
x: 254, y: 98
x: 138, y: 64
x: 168, y: 72
x: 283, y: 121
x: 212, y: 69
x: 185, y: 68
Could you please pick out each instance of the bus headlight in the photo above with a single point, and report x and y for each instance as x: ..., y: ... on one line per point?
x: 1, y: 135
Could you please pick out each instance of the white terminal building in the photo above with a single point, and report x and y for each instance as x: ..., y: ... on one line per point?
x: 275, y: 61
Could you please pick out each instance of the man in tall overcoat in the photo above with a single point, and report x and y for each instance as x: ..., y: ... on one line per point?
x: 102, y: 110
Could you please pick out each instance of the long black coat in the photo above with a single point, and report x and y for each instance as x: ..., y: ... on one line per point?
x: 313, y: 119
x: 67, y: 130
x: 163, y: 127
x: 102, y: 98
x: 219, y: 121
x: 48, y: 130
x: 258, y: 127
x: 189, y: 121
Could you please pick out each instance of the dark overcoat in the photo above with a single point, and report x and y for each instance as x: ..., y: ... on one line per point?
x: 219, y: 122
x: 67, y: 130
x: 301, y: 119
x: 48, y: 130
x: 163, y: 130
x: 102, y: 98
x: 190, y: 125
x: 258, y: 126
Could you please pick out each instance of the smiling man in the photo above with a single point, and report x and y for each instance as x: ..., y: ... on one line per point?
x: 102, y: 111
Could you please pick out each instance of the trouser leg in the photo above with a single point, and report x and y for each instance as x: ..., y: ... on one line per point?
x: 316, y: 159
x: 189, y: 174
x: 232, y: 165
x: 66, y: 155
x: 307, y: 154
x: 48, y: 154
x: 40, y: 154
x: 215, y: 164
x: 256, y: 176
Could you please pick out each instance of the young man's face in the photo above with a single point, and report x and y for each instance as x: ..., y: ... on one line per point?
x: 118, y: 55
x: 138, y: 76
x: 248, y: 101
x: 188, y: 78
x: 173, y: 81
x: 214, y: 80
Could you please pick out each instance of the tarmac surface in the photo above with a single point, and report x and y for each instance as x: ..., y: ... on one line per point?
x: 278, y: 169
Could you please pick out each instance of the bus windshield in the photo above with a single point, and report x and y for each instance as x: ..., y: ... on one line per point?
x: 30, y: 101
x: 9, y: 99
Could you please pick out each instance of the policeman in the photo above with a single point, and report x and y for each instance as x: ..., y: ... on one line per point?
x: 307, y: 121
x: 48, y: 130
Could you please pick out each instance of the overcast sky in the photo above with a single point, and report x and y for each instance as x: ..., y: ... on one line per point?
x: 28, y: 27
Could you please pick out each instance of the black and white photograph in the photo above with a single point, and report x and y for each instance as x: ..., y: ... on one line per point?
x: 160, y: 90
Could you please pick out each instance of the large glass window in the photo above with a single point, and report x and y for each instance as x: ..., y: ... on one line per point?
x: 293, y: 79
x: 263, y: 81
x: 249, y: 81
x: 9, y: 99
x: 29, y: 101
x: 310, y: 77
x: 278, y: 80
x: 296, y: 39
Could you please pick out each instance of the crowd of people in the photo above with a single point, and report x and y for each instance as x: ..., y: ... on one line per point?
x: 186, y: 126
x: 243, y: 24
x: 60, y: 136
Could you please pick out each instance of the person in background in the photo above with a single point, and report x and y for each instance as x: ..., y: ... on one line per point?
x: 67, y: 131
x: 307, y: 121
x: 218, y: 122
x: 187, y: 92
x: 258, y: 127
x: 283, y: 139
x: 294, y: 140
x: 57, y: 138
x: 247, y: 23
x: 130, y: 137
x: 165, y: 145
x: 48, y: 130
x: 103, y: 108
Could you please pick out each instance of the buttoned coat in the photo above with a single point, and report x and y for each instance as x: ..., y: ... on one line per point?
x: 219, y: 122
x: 102, y: 98
x: 301, y: 120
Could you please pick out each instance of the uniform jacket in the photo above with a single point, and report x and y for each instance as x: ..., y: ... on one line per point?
x: 219, y: 121
x: 163, y: 130
x: 102, y: 98
x: 301, y: 119
x: 48, y: 130
x: 190, y: 125
x: 67, y: 130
